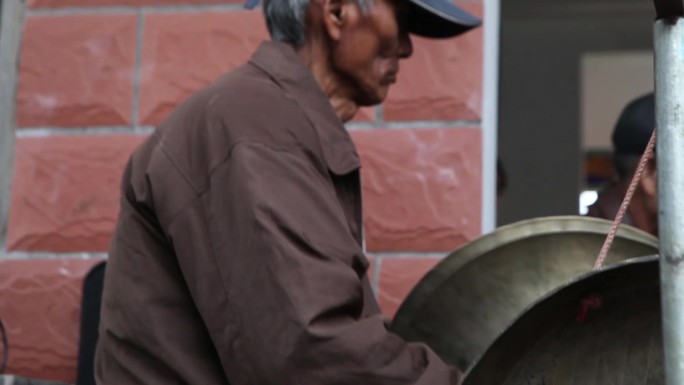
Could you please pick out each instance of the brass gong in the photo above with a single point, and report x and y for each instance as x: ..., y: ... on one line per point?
x: 473, y: 294
x: 562, y: 341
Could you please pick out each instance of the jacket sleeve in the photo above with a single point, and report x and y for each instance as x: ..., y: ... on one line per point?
x: 289, y: 307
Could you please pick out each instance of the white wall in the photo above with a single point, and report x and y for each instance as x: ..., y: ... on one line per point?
x: 489, y: 114
x: 609, y: 81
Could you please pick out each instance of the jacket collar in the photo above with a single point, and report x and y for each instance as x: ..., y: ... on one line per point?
x: 280, y: 61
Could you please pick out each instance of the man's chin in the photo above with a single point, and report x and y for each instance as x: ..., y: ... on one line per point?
x: 371, y: 99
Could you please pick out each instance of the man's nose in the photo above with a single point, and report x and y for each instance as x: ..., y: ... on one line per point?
x: 405, y: 45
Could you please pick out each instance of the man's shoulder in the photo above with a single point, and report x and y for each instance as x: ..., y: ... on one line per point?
x: 242, y: 83
x: 243, y: 101
x: 243, y: 105
x: 246, y: 84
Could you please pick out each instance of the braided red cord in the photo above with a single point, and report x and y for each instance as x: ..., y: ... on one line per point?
x: 625, y: 202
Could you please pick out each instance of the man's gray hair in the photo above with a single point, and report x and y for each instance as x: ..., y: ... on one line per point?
x: 286, y: 19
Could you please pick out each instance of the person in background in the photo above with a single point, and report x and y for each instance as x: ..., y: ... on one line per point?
x: 238, y: 255
x: 630, y: 138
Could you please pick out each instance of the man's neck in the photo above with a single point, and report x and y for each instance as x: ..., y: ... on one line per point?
x: 317, y: 61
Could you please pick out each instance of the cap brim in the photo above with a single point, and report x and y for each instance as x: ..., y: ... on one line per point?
x: 439, y: 19
x: 251, y: 4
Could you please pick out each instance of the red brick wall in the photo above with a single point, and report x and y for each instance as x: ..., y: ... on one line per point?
x: 96, y: 76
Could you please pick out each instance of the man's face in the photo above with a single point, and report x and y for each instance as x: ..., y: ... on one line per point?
x: 649, y: 184
x: 366, y: 56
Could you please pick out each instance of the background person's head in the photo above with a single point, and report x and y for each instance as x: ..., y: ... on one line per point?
x: 354, y: 46
x: 631, y: 135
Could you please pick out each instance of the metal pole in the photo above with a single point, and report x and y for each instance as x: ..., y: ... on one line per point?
x: 669, y: 86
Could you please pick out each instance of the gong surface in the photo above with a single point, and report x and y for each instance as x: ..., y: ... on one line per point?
x: 618, y: 342
x: 472, y: 295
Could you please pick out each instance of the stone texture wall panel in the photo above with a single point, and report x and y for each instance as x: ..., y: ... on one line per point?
x: 76, y: 71
x: 422, y: 188
x: 443, y: 79
x: 398, y: 276
x: 65, y: 195
x: 184, y: 52
x: 40, y: 306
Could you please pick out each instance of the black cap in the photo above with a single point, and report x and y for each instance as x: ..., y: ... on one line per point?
x: 431, y: 18
x: 439, y: 19
x: 635, y: 126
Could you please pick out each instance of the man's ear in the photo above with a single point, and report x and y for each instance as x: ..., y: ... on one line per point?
x: 649, y: 179
x: 335, y: 17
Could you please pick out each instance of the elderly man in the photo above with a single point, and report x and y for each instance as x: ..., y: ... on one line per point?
x: 630, y: 138
x: 238, y: 254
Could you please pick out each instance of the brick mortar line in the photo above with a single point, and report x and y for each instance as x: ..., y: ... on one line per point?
x: 416, y: 124
x: 379, y: 257
x: 139, y: 36
x: 23, y: 255
x: 145, y: 9
x: 375, y: 279
x: 144, y: 129
x: 35, y: 132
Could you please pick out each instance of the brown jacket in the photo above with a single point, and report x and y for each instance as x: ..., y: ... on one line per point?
x: 237, y: 256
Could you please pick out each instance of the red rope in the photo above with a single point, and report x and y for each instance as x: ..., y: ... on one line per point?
x: 625, y: 202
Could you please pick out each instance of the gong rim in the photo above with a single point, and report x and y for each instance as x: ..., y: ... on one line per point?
x: 421, y: 316
x: 514, y: 232
x: 623, y: 276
